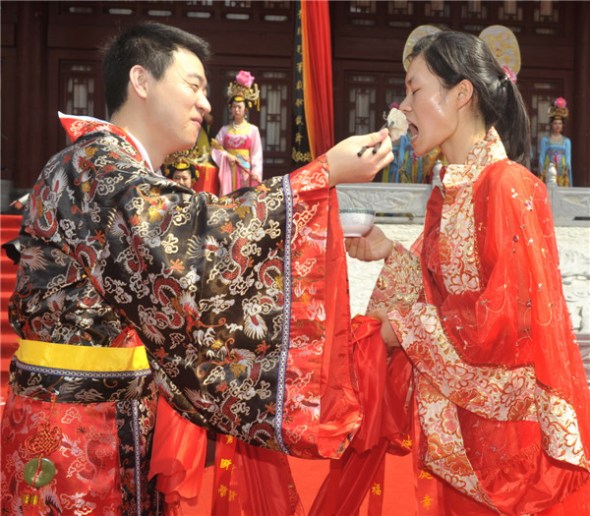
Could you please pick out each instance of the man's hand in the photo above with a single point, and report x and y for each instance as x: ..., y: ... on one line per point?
x: 358, y: 158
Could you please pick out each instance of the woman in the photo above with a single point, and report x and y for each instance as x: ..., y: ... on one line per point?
x: 476, y: 309
x: 557, y: 148
x: 237, y: 148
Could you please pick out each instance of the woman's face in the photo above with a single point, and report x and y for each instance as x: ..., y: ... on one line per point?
x: 182, y: 177
x: 431, y: 114
x: 557, y: 126
x: 238, y: 111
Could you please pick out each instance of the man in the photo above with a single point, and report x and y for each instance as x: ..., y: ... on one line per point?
x: 229, y: 296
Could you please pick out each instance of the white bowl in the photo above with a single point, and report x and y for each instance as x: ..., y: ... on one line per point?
x: 356, y: 222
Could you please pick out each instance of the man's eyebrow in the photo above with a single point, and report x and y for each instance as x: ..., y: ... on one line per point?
x: 195, y: 75
x: 186, y: 75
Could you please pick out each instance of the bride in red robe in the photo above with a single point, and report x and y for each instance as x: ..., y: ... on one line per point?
x: 497, y: 401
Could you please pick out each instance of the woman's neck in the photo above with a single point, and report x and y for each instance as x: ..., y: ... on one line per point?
x: 470, y: 128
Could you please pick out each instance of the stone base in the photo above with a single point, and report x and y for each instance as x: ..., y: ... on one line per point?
x: 407, y: 202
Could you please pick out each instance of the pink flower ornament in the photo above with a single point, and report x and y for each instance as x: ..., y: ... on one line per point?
x: 245, y: 78
x: 560, y: 102
x: 509, y: 73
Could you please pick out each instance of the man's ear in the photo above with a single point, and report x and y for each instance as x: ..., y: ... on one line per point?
x: 139, y: 80
x: 464, y: 91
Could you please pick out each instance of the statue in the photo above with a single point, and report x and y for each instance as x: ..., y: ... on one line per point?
x: 556, y: 149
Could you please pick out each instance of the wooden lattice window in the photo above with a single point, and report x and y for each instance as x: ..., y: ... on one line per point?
x: 368, y: 97
x: 78, y: 94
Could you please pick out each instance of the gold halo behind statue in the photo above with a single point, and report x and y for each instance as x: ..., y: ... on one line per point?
x: 415, y: 35
x: 504, y: 45
x: 501, y: 41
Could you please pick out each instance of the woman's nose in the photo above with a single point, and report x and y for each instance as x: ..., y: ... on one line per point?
x: 405, y: 105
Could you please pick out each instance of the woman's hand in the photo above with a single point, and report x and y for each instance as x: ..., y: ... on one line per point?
x: 387, y: 333
x: 373, y: 246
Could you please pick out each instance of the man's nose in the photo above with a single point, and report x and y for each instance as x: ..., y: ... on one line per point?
x: 204, y: 104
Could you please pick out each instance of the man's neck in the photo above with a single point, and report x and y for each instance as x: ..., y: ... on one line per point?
x: 131, y: 126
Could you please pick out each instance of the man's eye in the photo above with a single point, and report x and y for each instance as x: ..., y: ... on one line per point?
x: 194, y: 87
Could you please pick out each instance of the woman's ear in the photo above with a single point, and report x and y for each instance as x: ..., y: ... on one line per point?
x: 464, y: 92
x: 139, y: 80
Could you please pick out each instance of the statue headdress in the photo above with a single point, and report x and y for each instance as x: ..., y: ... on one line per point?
x: 183, y: 160
x: 244, y: 89
x: 558, y: 109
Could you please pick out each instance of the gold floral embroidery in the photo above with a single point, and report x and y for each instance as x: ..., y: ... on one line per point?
x: 457, y: 232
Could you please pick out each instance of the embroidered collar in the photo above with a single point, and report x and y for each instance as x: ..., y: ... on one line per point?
x: 77, y: 126
x: 484, y: 153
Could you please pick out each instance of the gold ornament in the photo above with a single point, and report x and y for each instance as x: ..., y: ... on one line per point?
x: 504, y: 45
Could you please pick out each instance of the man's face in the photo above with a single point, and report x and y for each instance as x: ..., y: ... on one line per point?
x: 182, y: 177
x: 177, y: 103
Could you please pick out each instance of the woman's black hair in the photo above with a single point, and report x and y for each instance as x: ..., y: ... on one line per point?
x: 454, y: 56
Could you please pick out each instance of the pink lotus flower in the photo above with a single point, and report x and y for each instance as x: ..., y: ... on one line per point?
x: 245, y: 78
x: 560, y: 102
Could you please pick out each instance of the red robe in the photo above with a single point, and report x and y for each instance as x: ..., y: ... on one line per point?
x: 232, y: 300
x: 498, y: 387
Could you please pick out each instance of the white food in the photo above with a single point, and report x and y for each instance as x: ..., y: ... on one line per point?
x: 397, y: 124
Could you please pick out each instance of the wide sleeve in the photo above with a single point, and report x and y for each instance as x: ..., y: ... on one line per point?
x: 399, y: 283
x: 217, y: 150
x: 568, y: 156
x: 256, y: 157
x: 219, y: 156
x: 542, y: 154
x: 234, y: 299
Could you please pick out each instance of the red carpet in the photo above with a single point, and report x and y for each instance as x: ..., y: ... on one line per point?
x: 9, y: 228
x: 308, y: 475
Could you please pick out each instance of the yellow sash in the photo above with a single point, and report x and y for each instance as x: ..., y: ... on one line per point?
x: 81, y: 358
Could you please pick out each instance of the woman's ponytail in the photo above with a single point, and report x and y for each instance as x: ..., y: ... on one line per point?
x: 513, y: 124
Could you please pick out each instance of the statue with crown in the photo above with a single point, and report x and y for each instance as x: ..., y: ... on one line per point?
x: 196, y: 161
x: 237, y: 147
x: 555, y: 150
